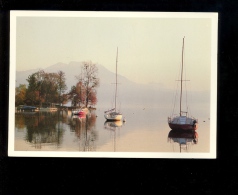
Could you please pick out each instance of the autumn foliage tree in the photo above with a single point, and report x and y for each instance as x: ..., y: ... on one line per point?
x: 92, y: 97
x: 77, y: 94
x: 46, y: 87
x: 84, y: 92
x: 32, y: 92
x: 20, y: 95
x: 90, y: 82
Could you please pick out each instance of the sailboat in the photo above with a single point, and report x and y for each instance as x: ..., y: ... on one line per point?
x: 183, y: 121
x: 113, y: 114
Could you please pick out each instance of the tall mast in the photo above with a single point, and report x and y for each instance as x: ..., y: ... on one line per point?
x: 116, y: 83
x: 181, y: 90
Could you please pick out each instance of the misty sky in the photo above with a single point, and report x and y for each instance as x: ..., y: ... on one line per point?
x: 149, y: 47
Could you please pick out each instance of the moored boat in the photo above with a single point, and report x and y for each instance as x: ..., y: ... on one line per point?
x: 51, y: 109
x: 113, y: 114
x: 82, y: 111
x: 26, y: 108
x: 183, y: 121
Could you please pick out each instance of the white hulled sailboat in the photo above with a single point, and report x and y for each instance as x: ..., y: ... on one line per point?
x: 113, y: 114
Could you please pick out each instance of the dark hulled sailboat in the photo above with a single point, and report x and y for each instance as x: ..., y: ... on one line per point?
x: 183, y: 121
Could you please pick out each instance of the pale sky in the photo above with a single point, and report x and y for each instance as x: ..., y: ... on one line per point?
x: 149, y: 46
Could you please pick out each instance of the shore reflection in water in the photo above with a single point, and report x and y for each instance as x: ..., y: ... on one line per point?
x: 49, y: 131
x: 184, y: 139
x: 41, y: 129
x: 64, y: 132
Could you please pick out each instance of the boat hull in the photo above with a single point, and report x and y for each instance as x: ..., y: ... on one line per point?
x: 113, y: 117
x: 183, y: 126
x: 183, y: 123
x: 80, y: 112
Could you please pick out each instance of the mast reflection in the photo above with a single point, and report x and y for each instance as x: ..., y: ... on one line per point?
x: 113, y: 126
x: 184, y: 138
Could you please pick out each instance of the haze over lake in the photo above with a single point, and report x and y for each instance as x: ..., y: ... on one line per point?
x: 129, y: 92
x: 145, y: 107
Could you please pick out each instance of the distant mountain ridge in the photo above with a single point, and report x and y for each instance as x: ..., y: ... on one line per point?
x: 73, y: 69
x: 128, y: 91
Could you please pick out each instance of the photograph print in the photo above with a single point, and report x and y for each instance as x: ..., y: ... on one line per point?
x: 113, y: 84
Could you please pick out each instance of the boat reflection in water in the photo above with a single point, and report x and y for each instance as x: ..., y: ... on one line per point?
x: 185, y: 139
x: 84, y: 128
x: 114, y: 127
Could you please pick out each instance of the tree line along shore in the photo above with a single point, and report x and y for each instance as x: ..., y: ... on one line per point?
x: 46, y: 89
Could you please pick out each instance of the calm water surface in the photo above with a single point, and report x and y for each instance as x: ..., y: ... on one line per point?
x: 145, y: 130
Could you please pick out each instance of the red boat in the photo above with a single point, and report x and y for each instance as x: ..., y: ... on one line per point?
x: 80, y: 112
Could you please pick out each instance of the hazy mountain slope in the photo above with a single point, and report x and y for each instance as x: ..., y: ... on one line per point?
x: 73, y: 69
x: 129, y: 93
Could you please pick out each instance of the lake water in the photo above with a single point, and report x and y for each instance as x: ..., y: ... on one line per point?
x: 145, y: 130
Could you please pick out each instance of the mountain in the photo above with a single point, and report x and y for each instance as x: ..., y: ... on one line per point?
x: 129, y: 92
x: 71, y: 70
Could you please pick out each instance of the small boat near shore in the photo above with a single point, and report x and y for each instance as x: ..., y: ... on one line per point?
x: 23, y: 108
x: 82, y: 111
x: 51, y: 109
